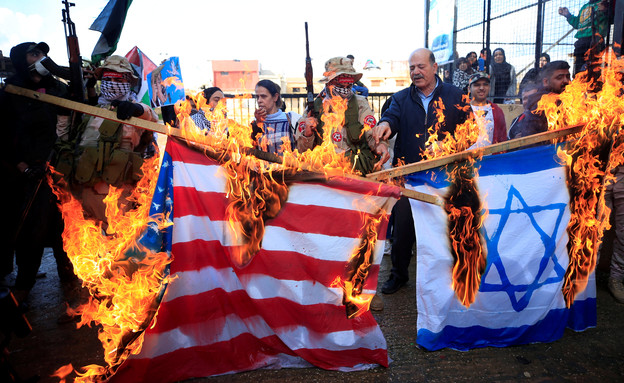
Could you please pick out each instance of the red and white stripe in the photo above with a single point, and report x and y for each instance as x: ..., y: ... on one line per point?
x: 278, y: 311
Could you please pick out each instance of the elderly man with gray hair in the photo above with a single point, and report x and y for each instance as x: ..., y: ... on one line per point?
x: 412, y: 112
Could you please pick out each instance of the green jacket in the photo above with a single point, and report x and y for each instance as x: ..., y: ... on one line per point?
x: 583, y: 22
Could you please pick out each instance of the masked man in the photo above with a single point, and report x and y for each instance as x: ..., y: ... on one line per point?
x: 355, y: 138
x: 111, y: 153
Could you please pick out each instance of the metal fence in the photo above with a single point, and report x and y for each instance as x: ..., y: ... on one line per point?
x: 523, y: 28
x: 242, y: 109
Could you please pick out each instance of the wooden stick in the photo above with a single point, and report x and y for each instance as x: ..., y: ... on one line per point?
x: 174, y: 132
x: 133, y: 121
x: 420, y: 196
x: 92, y: 110
x: 462, y: 156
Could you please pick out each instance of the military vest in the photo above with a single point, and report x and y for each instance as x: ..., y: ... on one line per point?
x: 107, y: 162
x: 359, y: 152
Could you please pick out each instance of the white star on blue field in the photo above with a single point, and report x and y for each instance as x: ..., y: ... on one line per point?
x: 162, y: 203
x: 520, y: 295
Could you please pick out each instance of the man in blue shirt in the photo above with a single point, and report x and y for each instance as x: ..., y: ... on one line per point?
x: 412, y: 112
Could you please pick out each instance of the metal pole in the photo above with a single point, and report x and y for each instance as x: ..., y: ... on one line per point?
x: 427, y: 24
x: 487, y: 36
x: 618, y: 27
x: 539, y: 32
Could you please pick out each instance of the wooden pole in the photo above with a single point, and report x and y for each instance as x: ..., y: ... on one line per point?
x: 462, y: 156
x: 92, y: 110
x: 133, y: 121
x: 173, y: 132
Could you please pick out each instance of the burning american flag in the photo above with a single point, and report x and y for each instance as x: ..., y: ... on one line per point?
x: 280, y: 309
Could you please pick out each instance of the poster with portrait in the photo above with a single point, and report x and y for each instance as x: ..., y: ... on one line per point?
x: 165, y: 83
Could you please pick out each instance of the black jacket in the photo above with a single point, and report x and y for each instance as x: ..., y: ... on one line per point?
x: 29, y: 125
x: 532, y: 122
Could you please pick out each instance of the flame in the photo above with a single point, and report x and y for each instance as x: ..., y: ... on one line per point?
x: 465, y: 211
x: 594, y: 100
x: 257, y: 189
x: 465, y: 219
x: 360, y: 261
x: 323, y: 158
x: 123, y: 278
x: 63, y: 372
x: 254, y: 199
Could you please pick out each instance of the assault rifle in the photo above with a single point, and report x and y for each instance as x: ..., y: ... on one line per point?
x: 76, y: 85
x: 308, y: 76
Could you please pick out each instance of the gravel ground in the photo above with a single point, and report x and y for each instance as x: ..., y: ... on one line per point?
x: 596, y: 355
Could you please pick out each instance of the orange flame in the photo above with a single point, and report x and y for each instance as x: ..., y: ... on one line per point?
x: 255, y: 192
x: 356, y: 302
x: 590, y: 158
x: 123, y: 277
x: 254, y: 198
x: 465, y: 219
x: 63, y: 372
x: 594, y: 100
x: 464, y: 209
x: 323, y: 158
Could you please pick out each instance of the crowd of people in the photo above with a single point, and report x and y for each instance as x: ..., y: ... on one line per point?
x: 106, y: 153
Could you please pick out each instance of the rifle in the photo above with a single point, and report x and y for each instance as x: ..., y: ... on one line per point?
x: 308, y: 76
x: 76, y: 85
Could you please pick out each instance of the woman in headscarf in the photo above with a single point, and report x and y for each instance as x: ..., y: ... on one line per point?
x: 503, y: 78
x: 533, y: 74
x: 462, y: 74
x: 212, y: 95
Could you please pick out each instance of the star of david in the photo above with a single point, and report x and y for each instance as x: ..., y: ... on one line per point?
x: 520, y: 295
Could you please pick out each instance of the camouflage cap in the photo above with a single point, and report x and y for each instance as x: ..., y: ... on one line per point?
x: 336, y: 66
x: 118, y: 64
x: 478, y: 76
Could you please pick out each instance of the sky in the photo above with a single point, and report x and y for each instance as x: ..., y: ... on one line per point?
x: 271, y: 31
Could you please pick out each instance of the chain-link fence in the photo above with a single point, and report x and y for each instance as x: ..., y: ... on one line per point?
x: 522, y: 28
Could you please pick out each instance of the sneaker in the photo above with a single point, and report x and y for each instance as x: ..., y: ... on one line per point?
x: 377, y: 303
x: 392, y: 285
x: 617, y: 289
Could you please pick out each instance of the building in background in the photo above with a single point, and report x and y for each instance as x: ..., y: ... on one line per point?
x: 235, y: 75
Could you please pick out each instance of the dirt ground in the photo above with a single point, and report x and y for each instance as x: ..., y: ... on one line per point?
x: 595, y: 355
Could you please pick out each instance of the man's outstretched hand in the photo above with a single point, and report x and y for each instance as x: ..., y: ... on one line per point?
x: 381, y: 132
